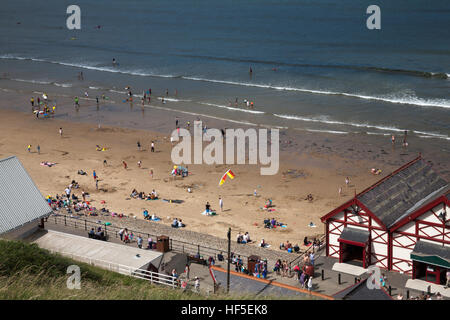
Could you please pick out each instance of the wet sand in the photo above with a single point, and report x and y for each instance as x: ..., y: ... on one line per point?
x: 310, y: 163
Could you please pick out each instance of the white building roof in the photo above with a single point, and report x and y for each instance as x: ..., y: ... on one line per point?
x: 83, y: 249
x: 21, y: 201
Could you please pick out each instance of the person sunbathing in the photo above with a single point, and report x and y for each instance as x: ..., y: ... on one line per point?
x: 262, y: 244
x: 268, y: 204
x: 287, y: 245
x: 134, y: 193
x: 273, y: 222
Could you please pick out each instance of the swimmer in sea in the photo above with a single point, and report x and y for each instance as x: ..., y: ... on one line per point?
x: 114, y: 62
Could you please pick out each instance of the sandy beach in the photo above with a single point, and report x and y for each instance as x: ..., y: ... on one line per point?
x: 310, y: 163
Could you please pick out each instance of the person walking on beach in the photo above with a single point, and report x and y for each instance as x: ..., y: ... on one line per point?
x: 139, y: 163
x: 347, y: 181
x: 77, y: 102
x: 32, y: 102
x: 139, y: 146
x: 405, y: 143
x: 96, y: 184
x: 60, y: 132
x: 38, y: 149
x: 125, y: 166
x: 139, y: 242
x: 221, y: 204
x: 151, y: 173
x: 94, y: 174
x: 393, y: 140
x: 29, y: 148
x: 153, y: 147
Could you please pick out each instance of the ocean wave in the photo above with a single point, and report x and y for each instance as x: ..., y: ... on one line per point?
x: 361, y: 125
x: 442, y: 103
x: 231, y: 108
x: 431, y: 135
x: 327, y: 131
x: 408, y: 99
x: 174, y: 99
x: 31, y: 81
x: 417, y: 73
x: 335, y: 122
x: 201, y: 115
x: 64, y: 85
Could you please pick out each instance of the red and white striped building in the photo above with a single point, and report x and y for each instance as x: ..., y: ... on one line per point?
x: 400, y: 223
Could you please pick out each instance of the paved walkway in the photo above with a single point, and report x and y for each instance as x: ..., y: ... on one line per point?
x: 194, y: 238
x: 329, y: 286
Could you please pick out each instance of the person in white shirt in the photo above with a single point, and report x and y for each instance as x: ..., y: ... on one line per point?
x: 310, y: 284
x: 197, y: 284
x: 262, y: 243
x: 221, y: 203
x: 245, y: 238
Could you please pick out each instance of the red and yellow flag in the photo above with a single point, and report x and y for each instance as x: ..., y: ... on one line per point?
x: 229, y: 173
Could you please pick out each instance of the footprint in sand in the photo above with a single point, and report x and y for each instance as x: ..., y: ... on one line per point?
x: 63, y: 153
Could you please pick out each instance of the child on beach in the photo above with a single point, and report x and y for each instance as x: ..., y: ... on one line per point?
x: 125, y: 166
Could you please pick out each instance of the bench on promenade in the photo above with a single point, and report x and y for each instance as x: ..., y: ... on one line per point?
x: 197, y: 260
x: 98, y: 237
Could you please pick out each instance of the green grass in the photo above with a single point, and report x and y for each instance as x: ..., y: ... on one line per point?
x: 28, y: 272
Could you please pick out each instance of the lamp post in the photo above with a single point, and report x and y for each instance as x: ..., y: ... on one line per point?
x: 443, y: 217
x: 229, y: 258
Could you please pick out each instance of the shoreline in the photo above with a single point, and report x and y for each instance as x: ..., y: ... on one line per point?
x: 310, y: 163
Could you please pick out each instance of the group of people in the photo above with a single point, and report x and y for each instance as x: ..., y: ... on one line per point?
x: 245, y: 238
x: 141, y: 195
x: 36, y: 106
x: 126, y: 236
x: 99, y: 234
x: 272, y: 223
x: 289, y: 247
x: 152, y: 217
x: 177, y: 223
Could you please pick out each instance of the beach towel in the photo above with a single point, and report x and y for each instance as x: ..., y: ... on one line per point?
x: 156, y: 219
x: 211, y: 213
x: 47, y: 164
x: 173, y: 201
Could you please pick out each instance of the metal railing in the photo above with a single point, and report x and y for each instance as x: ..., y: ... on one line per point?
x: 152, y: 277
x: 308, y: 250
x: 110, y: 231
